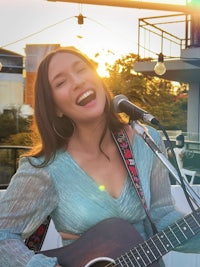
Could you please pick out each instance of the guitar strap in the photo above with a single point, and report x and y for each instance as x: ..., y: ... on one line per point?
x: 35, y: 241
x: 122, y: 141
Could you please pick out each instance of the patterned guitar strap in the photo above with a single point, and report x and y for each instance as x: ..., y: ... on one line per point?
x: 122, y: 141
x: 35, y: 241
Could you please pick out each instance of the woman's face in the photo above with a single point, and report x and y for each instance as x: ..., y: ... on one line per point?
x: 77, y: 90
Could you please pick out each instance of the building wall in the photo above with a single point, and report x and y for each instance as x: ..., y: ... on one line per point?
x: 15, y: 88
x: 11, y: 80
x: 29, y: 88
x: 11, y: 90
x: 193, y: 119
x: 34, y: 54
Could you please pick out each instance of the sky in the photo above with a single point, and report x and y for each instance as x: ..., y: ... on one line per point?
x: 109, y: 31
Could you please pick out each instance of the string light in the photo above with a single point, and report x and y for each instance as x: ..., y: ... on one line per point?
x: 80, y: 17
x: 160, y: 68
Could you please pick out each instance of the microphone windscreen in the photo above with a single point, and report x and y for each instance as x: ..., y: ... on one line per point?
x: 116, y: 102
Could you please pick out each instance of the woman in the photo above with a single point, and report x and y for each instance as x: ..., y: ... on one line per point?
x: 78, y: 157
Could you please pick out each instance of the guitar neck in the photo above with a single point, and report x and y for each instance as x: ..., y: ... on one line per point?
x: 163, y: 242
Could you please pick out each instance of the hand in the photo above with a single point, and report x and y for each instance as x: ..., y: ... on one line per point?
x: 68, y: 236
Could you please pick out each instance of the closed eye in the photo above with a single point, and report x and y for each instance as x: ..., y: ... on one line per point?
x: 82, y: 69
x: 61, y: 83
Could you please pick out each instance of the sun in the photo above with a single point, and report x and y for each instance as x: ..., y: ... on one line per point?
x: 104, y: 58
x: 101, y: 70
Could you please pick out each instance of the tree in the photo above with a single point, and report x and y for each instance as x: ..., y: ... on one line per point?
x: 153, y: 94
x: 22, y: 139
x: 10, y: 124
x: 7, y: 125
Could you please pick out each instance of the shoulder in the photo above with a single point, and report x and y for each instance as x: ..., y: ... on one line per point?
x: 154, y: 133
x: 31, y: 163
x: 28, y: 166
x: 39, y: 162
x: 35, y: 178
x: 132, y: 132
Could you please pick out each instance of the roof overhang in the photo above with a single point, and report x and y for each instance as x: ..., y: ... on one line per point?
x: 137, y: 4
x: 186, y: 69
x: 176, y: 70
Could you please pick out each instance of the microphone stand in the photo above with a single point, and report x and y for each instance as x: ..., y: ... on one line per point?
x: 142, y: 131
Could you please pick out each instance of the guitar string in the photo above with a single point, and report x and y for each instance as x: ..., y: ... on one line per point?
x: 141, y: 249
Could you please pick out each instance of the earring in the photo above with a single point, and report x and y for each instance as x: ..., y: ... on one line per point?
x: 58, y: 134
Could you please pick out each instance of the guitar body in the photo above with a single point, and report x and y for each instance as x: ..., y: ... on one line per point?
x: 100, y: 246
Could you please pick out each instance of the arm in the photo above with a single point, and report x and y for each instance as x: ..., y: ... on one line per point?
x: 29, y: 199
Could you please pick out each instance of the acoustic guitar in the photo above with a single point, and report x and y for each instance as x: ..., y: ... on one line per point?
x: 115, y: 242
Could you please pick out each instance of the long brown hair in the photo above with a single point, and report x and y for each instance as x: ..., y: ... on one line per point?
x: 55, y: 132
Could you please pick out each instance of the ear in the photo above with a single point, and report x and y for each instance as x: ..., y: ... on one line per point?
x: 59, y: 113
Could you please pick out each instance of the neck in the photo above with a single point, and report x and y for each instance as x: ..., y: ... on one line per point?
x: 88, y: 137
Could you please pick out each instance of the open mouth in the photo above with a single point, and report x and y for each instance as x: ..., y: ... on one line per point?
x: 85, y: 98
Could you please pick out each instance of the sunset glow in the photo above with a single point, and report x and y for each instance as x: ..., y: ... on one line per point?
x: 175, y: 2
x: 105, y: 28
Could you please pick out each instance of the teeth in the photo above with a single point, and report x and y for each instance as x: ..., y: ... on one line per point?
x: 85, y: 95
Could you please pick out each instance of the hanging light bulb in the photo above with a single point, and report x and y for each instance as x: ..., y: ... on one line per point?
x: 160, y: 68
x: 80, y: 17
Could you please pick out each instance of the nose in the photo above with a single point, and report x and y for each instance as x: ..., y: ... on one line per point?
x: 78, y: 81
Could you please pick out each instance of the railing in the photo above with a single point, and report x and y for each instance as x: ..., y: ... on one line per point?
x: 192, y: 140
x: 167, y: 34
x: 9, y: 156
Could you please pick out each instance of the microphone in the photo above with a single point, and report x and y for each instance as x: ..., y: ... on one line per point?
x: 122, y: 104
